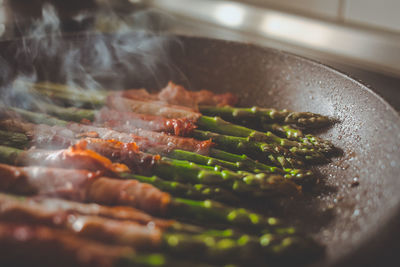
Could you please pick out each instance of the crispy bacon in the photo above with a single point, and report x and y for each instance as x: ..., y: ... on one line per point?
x: 127, y: 153
x: 157, y: 108
x: 75, y: 157
x: 131, y: 193
x: 126, y: 120
x: 89, y: 209
x: 92, y: 227
x: 23, y: 245
x: 177, y: 95
x: 83, y: 186
x: 146, y: 140
x: 175, y: 142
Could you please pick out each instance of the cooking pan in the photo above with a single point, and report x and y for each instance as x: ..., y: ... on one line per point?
x: 354, y: 210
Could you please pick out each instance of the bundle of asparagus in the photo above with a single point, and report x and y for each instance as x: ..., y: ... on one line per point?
x: 162, y: 154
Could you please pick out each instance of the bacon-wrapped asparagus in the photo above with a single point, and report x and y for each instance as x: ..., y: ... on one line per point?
x: 141, y: 103
x: 85, y: 186
x: 259, y: 185
x: 172, y: 94
x: 123, y: 232
x: 27, y: 245
x: 38, y: 245
x: 57, y: 136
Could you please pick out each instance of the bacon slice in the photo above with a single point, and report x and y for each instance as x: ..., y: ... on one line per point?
x: 92, y: 227
x: 126, y: 153
x: 146, y: 140
x: 89, y: 209
x: 83, y: 186
x: 125, y: 120
x: 150, y: 107
x: 131, y: 193
x: 75, y: 157
x: 23, y: 245
x: 177, y: 95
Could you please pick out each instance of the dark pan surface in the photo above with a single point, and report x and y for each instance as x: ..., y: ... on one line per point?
x: 353, y: 221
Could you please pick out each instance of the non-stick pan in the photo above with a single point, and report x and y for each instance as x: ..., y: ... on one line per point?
x: 355, y: 212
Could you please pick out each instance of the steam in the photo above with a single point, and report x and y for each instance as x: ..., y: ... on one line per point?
x: 94, y: 61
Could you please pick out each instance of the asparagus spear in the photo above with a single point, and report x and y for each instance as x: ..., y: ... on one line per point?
x: 241, y: 164
x: 196, y: 191
x: 297, y: 135
x: 35, y: 117
x: 17, y: 140
x: 300, y: 176
x: 156, y: 260
x: 267, y: 115
x: 67, y: 94
x: 264, y: 152
x: 218, y: 125
x: 254, y: 185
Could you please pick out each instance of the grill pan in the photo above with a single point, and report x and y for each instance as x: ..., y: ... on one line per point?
x: 357, y: 223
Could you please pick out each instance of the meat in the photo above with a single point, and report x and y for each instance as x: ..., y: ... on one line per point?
x: 89, y: 209
x: 154, y: 142
x: 157, y: 108
x: 127, y: 153
x: 131, y: 193
x: 23, y: 245
x: 83, y: 186
x: 146, y: 140
x: 64, y: 183
x: 75, y: 157
x: 175, y: 142
x: 91, y: 227
x: 122, y: 120
x: 177, y: 95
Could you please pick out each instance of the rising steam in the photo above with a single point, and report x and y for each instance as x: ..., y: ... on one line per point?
x: 93, y: 61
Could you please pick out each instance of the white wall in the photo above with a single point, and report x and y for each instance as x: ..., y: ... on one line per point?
x: 378, y: 14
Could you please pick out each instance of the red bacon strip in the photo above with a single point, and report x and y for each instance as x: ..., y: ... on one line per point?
x: 125, y: 120
x: 177, y: 95
x: 92, y: 227
x: 89, y: 209
x: 75, y: 157
x: 127, y: 153
x: 83, y: 186
x: 156, y: 108
x: 23, y: 245
x: 146, y: 140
